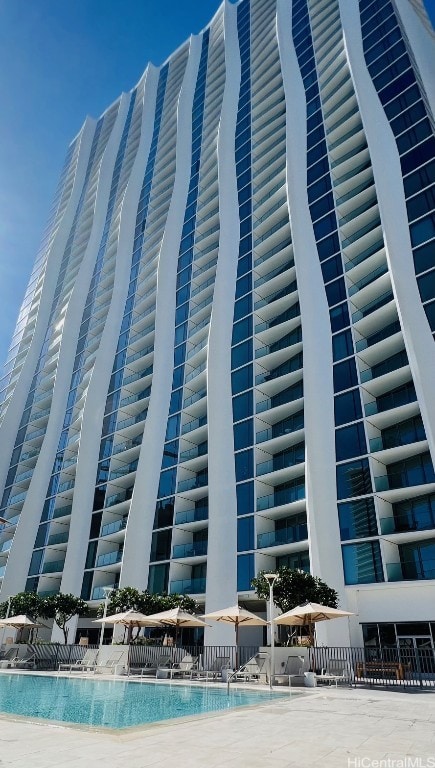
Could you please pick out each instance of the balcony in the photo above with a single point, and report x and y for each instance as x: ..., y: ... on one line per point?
x: 115, y: 527
x: 281, y: 497
x: 284, y: 460
x: 99, y: 593
x: 372, y: 306
x: 55, y: 566
x: 188, y: 587
x: 288, y: 535
x: 195, y: 452
x: 194, y: 515
x: 289, y: 366
x: 110, y: 558
x: 117, y: 498
x: 397, y: 397
x: 284, y: 427
x: 393, y: 363
x: 409, y: 570
x: 194, y: 424
x: 407, y: 522
x: 58, y: 538
x: 194, y: 549
x: 198, y: 481
x: 288, y: 395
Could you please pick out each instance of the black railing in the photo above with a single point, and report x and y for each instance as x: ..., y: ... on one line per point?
x: 402, y: 667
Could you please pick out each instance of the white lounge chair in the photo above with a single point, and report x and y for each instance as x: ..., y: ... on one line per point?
x: 292, y: 672
x: 215, y: 671
x: 86, y: 664
x: 185, y: 667
x: 336, y: 671
x: 163, y: 662
x: 254, y: 670
x: 115, y: 663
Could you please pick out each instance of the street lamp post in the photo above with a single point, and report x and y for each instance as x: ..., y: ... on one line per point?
x: 271, y: 579
x: 107, y: 592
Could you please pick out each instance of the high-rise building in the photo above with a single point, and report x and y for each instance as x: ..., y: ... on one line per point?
x: 225, y: 361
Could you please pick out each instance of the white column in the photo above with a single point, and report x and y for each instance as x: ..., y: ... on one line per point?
x: 321, y: 497
x: 139, y: 529
x: 222, y: 527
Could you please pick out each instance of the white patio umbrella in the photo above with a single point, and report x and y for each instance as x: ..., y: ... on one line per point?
x: 177, y: 618
x: 237, y: 616
x: 21, y: 622
x: 309, y: 614
x: 129, y: 619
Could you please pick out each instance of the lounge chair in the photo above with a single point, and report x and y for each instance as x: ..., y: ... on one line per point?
x: 8, y: 658
x: 163, y: 662
x: 185, y: 667
x: 86, y: 664
x: 25, y: 659
x: 115, y: 663
x: 254, y: 670
x: 337, y: 670
x: 215, y: 671
x: 293, y: 671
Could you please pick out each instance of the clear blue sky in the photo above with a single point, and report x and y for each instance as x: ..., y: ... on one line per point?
x: 59, y: 61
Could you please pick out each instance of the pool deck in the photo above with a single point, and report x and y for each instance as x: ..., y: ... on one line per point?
x: 325, y: 727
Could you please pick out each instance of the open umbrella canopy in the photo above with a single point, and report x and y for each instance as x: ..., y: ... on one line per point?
x: 129, y: 619
x: 176, y: 617
x: 236, y: 615
x: 19, y: 622
x: 310, y: 613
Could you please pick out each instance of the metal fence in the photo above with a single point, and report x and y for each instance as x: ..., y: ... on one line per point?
x: 370, y: 666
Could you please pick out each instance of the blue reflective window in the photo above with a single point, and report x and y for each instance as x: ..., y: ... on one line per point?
x: 179, y: 354
x: 167, y: 483
x: 172, y: 427
x: 324, y: 226
x: 345, y: 375
x: 332, y: 268
x: 170, y: 454
x: 418, y: 156
x: 242, y: 379
x: 245, y: 572
x: 243, y: 406
x: 421, y: 204
x: 426, y: 286
x: 243, y: 434
x: 353, y: 479
x: 347, y: 407
x: 245, y: 498
x: 178, y: 377
x: 242, y: 329
x: 357, y: 519
x: 335, y: 292
x: 180, y: 333
x: 241, y: 354
x: 420, y: 179
x: 244, y: 284
x: 245, y: 534
x: 176, y: 399
x: 244, y: 462
x: 350, y: 441
x: 423, y: 230
x: 362, y: 563
x: 342, y: 345
x: 323, y: 206
x: 339, y: 317
x: 430, y: 314
x: 328, y: 247
x: 243, y: 307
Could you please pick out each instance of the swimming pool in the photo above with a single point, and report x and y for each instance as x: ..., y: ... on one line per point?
x: 115, y: 704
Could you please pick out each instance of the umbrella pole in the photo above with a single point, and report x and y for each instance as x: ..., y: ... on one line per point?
x: 237, y: 643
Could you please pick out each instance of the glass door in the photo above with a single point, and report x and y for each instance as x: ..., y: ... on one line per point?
x: 418, y: 653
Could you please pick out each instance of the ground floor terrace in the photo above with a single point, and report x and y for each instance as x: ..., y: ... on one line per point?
x: 327, y: 727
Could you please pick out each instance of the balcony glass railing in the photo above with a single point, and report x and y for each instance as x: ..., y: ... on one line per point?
x: 284, y: 536
x: 394, y: 399
x: 281, y: 497
x: 385, y: 333
x: 99, y: 593
x: 403, y: 479
x: 372, y: 306
x: 199, y: 481
x: 421, y: 520
x: 62, y: 511
x: 409, y: 570
x: 57, y: 538
x: 193, y: 453
x: 285, y: 427
x: 195, y: 549
x: 286, y: 396
x: 110, y: 558
x: 191, y: 515
x: 188, y: 587
x: 393, y: 363
x: 110, y: 528
x: 194, y: 424
x: 285, y: 460
x: 381, y: 270
x: 55, y: 566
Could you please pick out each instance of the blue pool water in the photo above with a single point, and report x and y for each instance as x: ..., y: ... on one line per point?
x: 114, y: 704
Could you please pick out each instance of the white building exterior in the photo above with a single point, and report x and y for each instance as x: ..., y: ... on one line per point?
x: 224, y: 361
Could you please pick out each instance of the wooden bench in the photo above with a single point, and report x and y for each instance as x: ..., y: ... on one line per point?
x: 381, y: 668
